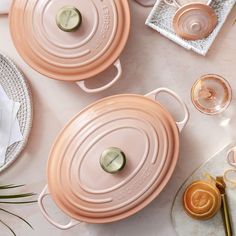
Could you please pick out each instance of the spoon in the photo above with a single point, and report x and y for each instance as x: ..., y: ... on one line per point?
x: 220, y: 184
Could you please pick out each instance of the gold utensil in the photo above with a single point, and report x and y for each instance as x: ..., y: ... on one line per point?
x: 220, y: 184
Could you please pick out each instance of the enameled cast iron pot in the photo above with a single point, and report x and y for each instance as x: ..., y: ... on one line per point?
x: 70, y: 40
x: 113, y: 158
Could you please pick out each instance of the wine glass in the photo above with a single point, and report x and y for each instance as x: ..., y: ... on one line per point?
x: 211, y: 94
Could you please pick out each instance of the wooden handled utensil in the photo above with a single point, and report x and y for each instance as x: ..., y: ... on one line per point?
x: 220, y: 184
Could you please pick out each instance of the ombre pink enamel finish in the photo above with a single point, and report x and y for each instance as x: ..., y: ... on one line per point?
x: 70, y: 56
x: 148, y: 136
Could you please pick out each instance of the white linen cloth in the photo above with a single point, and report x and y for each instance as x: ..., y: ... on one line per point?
x: 9, y: 124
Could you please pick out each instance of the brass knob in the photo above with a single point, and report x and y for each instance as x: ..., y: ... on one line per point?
x: 68, y: 19
x: 112, y: 160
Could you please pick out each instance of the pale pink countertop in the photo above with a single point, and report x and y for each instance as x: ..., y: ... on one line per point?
x: 150, y: 61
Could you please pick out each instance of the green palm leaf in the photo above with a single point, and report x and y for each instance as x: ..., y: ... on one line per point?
x: 20, y: 202
x: 9, y: 186
x: 8, y: 227
x: 17, y: 196
x: 12, y: 200
x: 17, y: 217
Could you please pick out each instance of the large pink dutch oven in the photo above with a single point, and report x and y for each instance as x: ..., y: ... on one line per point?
x: 70, y: 40
x: 113, y: 158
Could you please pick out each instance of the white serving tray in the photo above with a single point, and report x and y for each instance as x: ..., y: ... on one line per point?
x: 162, y: 14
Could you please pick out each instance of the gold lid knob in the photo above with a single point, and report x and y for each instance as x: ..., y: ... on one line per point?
x: 112, y: 160
x: 68, y: 18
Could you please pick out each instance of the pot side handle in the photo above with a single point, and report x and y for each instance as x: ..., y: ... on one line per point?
x: 82, y: 85
x: 5, y: 6
x: 180, y: 124
x: 43, y: 194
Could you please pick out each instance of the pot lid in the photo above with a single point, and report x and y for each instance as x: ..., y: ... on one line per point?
x: 194, y: 21
x: 113, y: 158
x: 70, y: 39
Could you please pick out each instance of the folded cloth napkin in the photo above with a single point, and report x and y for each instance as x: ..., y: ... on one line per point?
x: 9, y: 124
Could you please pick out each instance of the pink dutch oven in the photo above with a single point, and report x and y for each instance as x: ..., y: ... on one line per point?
x: 70, y: 40
x: 113, y: 158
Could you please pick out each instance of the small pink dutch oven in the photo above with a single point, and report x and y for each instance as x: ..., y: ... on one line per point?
x: 70, y: 40
x: 113, y: 158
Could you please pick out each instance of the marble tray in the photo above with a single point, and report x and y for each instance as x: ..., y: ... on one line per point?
x: 183, y: 224
x: 160, y: 19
